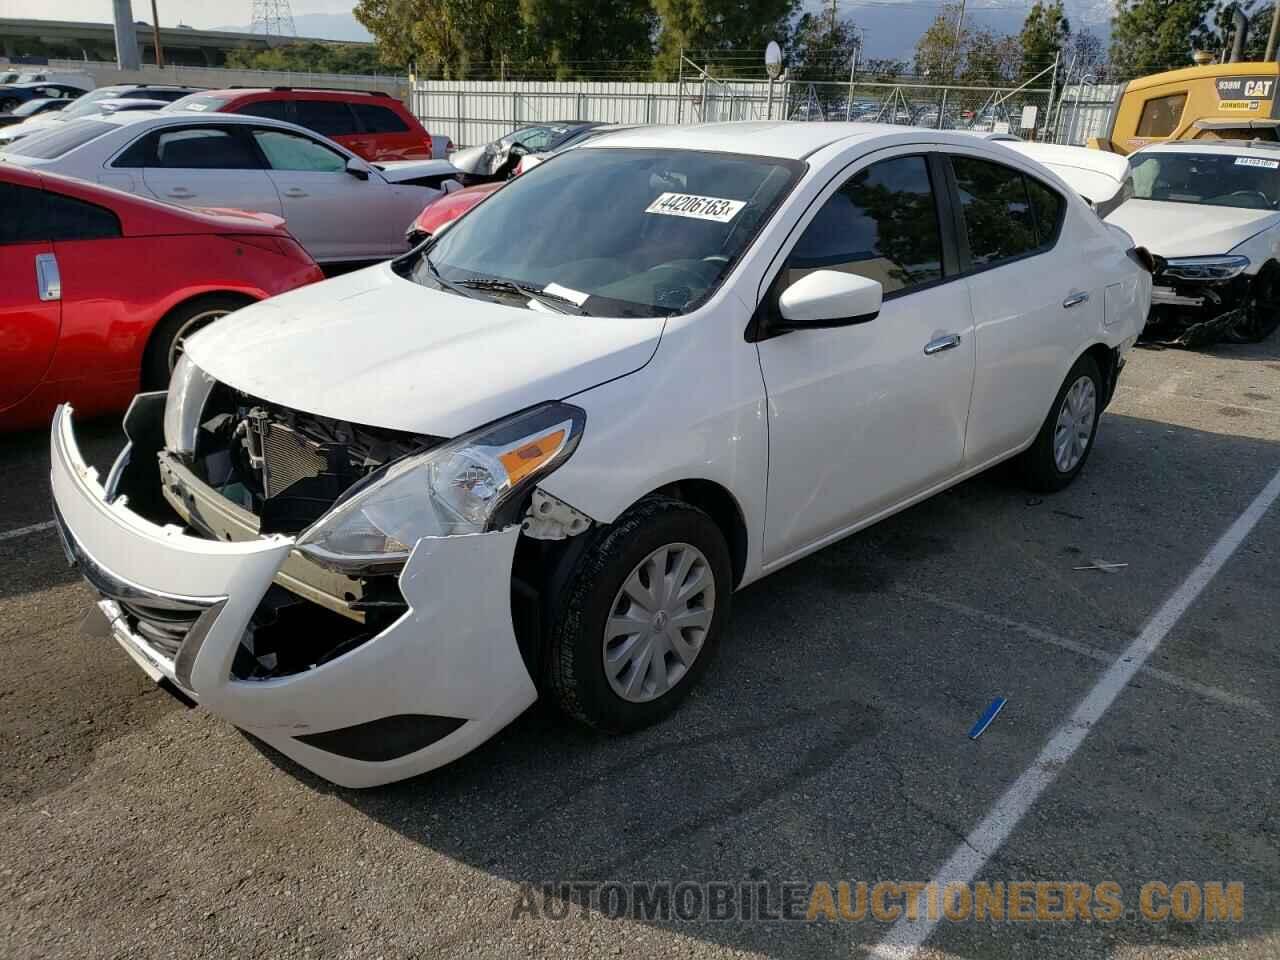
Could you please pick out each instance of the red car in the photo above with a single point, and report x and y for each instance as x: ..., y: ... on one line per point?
x: 100, y: 287
x: 371, y: 124
x: 446, y: 210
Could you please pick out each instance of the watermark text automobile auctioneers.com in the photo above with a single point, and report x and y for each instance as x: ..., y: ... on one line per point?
x: 886, y: 901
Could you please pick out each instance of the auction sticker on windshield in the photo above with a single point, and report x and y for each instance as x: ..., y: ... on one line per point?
x: 699, y: 208
x: 1257, y: 162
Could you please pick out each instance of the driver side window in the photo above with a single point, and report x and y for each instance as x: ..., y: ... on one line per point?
x: 881, y: 224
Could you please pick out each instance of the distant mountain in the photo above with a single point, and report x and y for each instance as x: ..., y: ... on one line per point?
x: 321, y: 26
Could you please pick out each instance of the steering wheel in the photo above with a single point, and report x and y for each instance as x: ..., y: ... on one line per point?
x: 1255, y: 193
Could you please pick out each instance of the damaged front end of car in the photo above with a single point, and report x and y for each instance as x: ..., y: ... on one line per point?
x: 349, y: 594
x: 1197, y: 301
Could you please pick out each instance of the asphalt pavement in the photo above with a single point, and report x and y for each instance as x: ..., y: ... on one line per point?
x: 828, y: 742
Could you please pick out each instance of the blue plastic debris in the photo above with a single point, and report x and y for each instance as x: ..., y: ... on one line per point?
x: 984, y: 721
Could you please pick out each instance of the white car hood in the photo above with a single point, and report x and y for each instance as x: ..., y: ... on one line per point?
x: 398, y: 171
x: 375, y: 349
x: 37, y: 124
x: 1189, y: 229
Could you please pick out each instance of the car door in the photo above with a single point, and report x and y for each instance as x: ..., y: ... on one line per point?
x: 205, y: 165
x: 30, y: 296
x: 864, y: 417
x: 334, y: 214
x: 1035, y: 292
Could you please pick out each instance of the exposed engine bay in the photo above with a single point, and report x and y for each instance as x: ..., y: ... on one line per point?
x: 259, y: 468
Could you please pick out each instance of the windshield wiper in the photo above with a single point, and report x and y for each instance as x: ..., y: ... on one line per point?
x: 552, y: 300
x: 448, y: 285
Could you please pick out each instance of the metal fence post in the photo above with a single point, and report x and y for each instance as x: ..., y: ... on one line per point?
x: 515, y: 110
x: 462, y: 140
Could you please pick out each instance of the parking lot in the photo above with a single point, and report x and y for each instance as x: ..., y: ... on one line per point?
x: 829, y: 741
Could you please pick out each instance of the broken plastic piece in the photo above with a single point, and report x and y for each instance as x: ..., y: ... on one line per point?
x: 1102, y: 565
x: 984, y: 721
x: 550, y: 518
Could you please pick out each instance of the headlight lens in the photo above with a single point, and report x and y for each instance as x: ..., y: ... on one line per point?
x: 189, y: 388
x: 460, y: 487
x: 1206, y: 268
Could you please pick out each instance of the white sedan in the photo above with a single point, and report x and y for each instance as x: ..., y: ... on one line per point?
x: 1211, y: 211
x: 374, y: 519
x: 339, y: 207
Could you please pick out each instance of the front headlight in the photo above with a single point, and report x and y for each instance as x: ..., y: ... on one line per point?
x: 1205, y: 268
x: 463, y: 486
x: 189, y: 388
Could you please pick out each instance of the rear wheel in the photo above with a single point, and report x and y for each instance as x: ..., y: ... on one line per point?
x: 8, y: 104
x: 1262, y: 314
x: 1066, y: 438
x: 641, y: 617
x: 168, y: 339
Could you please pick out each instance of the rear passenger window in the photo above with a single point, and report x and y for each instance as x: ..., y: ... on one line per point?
x: 23, y: 220
x: 1160, y: 116
x: 333, y: 118
x: 271, y: 109
x: 999, y: 221
x: 376, y: 119
x: 882, y: 224
x: 73, y: 219
x: 204, y: 148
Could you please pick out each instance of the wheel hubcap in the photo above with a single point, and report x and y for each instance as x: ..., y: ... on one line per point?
x: 659, y: 622
x: 179, y: 343
x: 1075, y: 424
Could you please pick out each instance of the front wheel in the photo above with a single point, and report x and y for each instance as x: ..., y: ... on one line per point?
x: 1066, y: 438
x: 641, y: 617
x: 1261, y: 315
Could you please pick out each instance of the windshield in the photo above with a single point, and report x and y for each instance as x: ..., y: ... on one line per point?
x: 1211, y: 179
x: 613, y: 232
x: 199, y: 103
x: 32, y: 107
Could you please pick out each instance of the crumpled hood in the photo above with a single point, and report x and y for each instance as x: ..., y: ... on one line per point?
x: 1189, y: 229
x: 376, y: 349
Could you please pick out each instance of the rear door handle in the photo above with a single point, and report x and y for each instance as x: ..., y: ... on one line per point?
x: 181, y: 193
x: 48, y: 279
x: 295, y: 192
x: 949, y: 342
x: 1075, y: 299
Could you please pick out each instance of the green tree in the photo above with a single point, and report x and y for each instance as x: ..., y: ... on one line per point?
x: 315, y: 57
x: 1220, y: 34
x: 572, y: 38
x: 1148, y: 36
x: 939, y: 52
x: 820, y: 50
x: 447, y: 38
x: 709, y: 29
x: 992, y: 57
x: 1044, y: 34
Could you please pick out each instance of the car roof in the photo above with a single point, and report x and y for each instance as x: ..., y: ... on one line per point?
x: 773, y: 138
x: 285, y: 93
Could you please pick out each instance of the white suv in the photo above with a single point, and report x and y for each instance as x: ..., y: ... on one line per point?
x: 374, y: 518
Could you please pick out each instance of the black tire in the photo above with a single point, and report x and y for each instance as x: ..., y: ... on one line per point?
x: 1038, y: 465
x: 156, y: 366
x: 1262, y: 314
x: 9, y: 104
x: 576, y: 677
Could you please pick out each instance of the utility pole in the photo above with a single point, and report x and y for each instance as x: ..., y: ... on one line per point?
x: 833, y: 17
x: 955, y: 46
x: 155, y: 33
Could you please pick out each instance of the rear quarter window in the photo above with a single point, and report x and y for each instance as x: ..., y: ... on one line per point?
x: 56, y: 143
x: 376, y: 119
x: 72, y: 219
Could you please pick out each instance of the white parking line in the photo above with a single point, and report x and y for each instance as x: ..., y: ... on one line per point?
x: 1088, y: 650
x: 23, y: 531
x: 905, y: 938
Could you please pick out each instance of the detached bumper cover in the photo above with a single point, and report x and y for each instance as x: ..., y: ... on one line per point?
x: 449, y: 670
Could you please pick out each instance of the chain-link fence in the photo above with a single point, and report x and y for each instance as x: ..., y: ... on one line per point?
x: 477, y: 111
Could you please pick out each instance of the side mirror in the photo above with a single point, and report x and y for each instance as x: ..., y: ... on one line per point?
x: 358, y: 168
x: 828, y: 298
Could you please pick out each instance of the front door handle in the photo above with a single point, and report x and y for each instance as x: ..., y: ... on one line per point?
x: 295, y: 192
x: 181, y: 193
x: 1075, y: 299
x: 949, y: 342
x: 48, y: 279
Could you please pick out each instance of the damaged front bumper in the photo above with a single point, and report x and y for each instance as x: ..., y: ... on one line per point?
x: 1195, y: 313
x: 440, y: 680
